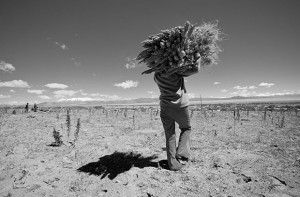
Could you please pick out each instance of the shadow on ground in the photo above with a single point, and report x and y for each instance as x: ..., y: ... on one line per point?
x: 117, y: 163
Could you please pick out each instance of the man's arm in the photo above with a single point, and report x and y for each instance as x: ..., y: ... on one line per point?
x: 193, y: 70
x: 189, y: 72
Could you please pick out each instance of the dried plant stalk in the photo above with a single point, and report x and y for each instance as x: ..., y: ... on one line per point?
x: 181, y: 48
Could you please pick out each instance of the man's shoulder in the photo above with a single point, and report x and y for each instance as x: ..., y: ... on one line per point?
x: 172, y: 76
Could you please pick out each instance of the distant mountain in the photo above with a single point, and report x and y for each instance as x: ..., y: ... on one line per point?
x: 238, y: 97
x: 98, y: 103
x: 155, y: 101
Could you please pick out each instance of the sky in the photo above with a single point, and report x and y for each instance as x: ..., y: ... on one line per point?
x: 84, y: 50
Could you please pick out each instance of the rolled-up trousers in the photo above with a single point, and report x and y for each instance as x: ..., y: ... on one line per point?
x: 169, y: 115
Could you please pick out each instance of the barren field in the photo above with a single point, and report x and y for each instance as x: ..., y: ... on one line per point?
x: 120, y: 151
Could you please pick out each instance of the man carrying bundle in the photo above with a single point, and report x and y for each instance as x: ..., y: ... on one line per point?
x: 174, y: 108
x: 172, y: 55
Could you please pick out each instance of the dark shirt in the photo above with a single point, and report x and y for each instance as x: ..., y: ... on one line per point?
x: 169, y: 85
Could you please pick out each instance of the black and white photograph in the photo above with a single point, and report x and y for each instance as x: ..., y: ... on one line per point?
x: 136, y: 98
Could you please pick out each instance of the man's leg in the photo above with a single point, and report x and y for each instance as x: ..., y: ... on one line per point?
x: 183, y: 119
x: 169, y: 127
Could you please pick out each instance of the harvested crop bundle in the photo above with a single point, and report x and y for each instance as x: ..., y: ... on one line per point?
x: 179, y: 49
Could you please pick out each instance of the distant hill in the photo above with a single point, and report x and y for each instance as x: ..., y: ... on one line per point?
x: 156, y: 100
x: 98, y: 103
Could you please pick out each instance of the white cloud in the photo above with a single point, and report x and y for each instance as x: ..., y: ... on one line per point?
x: 107, y: 97
x: 4, y: 96
x: 64, y: 93
x: 78, y: 99
x: 44, y: 97
x: 291, y: 92
x: 268, y: 85
x: 251, y: 87
x: 113, y: 97
x: 15, y: 84
x: 13, y: 91
x: 104, y: 97
x: 275, y: 94
x: 150, y: 92
x: 153, y: 94
x: 14, y: 103
x: 243, y: 92
x: 127, y: 84
x: 247, y: 93
x: 36, y: 91
x: 76, y: 63
x: 131, y: 63
x: 84, y: 94
x: 224, y: 90
x: 191, y: 95
x: 265, y: 94
x: 62, y: 46
x: 216, y: 83
x: 244, y: 88
x: 6, y: 67
x: 240, y: 88
x: 96, y: 94
x: 56, y: 85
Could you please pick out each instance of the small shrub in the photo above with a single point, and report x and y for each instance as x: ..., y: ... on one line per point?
x: 26, y: 108
x: 90, y: 115
x: 282, y: 122
x: 57, y: 116
x: 68, y: 122
x: 236, y: 114
x: 133, y: 119
x: 265, y: 114
x: 205, y: 114
x: 35, y: 107
x: 125, y: 113
x: 57, y: 137
x: 76, y: 134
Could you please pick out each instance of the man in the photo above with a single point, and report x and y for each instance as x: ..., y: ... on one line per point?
x: 175, y: 109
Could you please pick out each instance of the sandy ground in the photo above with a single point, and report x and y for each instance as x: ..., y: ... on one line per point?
x: 122, y: 153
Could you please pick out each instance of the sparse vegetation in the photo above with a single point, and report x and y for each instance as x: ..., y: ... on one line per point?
x: 233, y: 147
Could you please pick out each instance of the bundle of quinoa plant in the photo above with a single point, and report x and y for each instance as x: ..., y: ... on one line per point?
x: 180, y: 48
